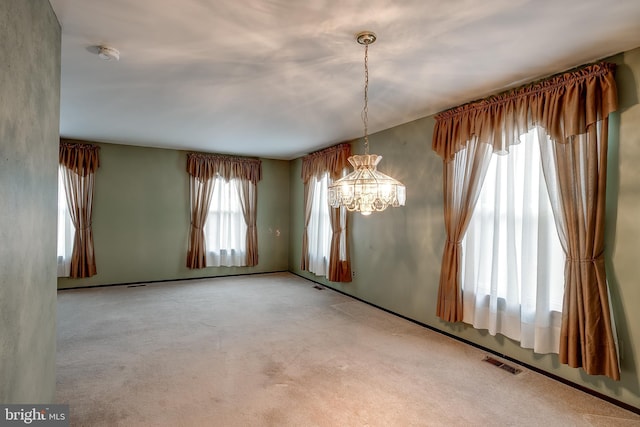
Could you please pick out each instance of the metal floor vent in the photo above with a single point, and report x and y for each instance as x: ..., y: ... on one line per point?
x: 320, y: 288
x: 502, y: 365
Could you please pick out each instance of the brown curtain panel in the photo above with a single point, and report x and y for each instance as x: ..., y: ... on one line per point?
x: 339, y: 259
x: 308, y: 205
x: 249, y: 200
x: 78, y: 162
x: 463, y: 177
x: 332, y: 160
x: 203, y: 170
x: 572, y: 108
x: 200, y: 192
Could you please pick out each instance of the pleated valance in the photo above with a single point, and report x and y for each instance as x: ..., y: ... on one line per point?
x: 206, y: 166
x: 80, y: 158
x: 332, y: 160
x: 582, y: 97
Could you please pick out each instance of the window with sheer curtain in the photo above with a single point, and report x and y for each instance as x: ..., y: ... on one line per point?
x: 66, y: 231
x: 78, y: 163
x: 319, y: 230
x: 571, y: 110
x: 223, y: 199
x: 225, y: 229
x: 513, y: 262
x: 325, y: 242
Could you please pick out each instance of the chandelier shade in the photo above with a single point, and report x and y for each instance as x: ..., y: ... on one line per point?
x: 366, y: 190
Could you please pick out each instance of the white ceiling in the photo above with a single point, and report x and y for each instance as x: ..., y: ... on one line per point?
x: 282, y: 78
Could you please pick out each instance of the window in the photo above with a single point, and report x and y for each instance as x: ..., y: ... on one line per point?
x: 225, y: 229
x: 513, y: 263
x: 325, y: 247
x: 319, y: 230
x: 66, y: 230
x: 223, y: 195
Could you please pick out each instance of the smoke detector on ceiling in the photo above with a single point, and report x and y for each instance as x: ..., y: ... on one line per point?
x: 107, y: 53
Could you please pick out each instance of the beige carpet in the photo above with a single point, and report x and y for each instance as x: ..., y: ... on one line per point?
x: 272, y: 350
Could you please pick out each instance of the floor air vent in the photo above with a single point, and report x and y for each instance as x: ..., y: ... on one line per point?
x: 135, y: 286
x: 502, y: 365
x: 318, y: 287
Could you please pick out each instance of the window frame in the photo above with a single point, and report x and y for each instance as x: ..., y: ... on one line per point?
x: 226, y: 192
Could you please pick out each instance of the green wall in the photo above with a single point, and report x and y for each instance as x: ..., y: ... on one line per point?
x: 623, y: 227
x: 141, y: 218
x: 29, y: 118
x: 396, y: 254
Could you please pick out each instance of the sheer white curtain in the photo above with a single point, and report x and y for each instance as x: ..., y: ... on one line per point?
x: 66, y: 231
x: 513, y: 263
x: 225, y: 229
x: 319, y: 231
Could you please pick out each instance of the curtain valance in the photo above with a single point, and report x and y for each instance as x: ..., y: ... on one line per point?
x: 206, y: 166
x: 80, y: 158
x: 565, y: 105
x: 332, y: 160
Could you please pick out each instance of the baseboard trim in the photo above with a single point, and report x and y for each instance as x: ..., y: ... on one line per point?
x: 582, y: 388
x: 171, y: 280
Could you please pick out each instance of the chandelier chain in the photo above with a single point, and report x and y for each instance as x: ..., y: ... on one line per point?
x: 365, y: 109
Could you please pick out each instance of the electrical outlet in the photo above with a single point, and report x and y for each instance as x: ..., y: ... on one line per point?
x: 353, y: 274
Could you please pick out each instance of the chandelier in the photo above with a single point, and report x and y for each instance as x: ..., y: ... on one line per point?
x: 366, y: 190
